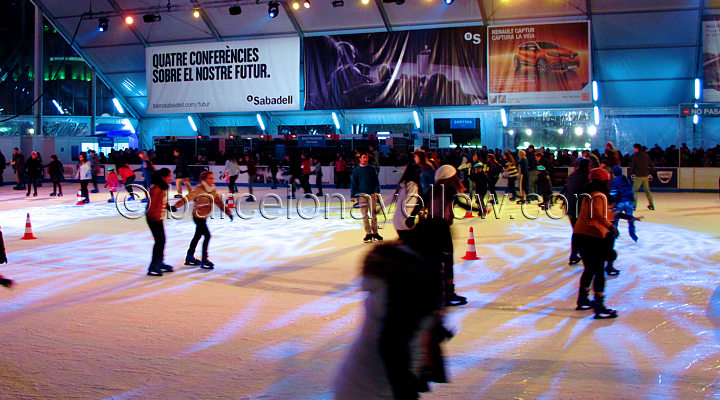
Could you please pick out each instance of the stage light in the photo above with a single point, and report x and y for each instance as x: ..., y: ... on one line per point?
x: 129, y: 20
x: 233, y: 136
x: 192, y: 124
x: 102, y: 24
x: 528, y: 132
x: 272, y: 9
x: 235, y: 10
x: 579, y: 130
x: 196, y: 13
x: 417, y: 119
x: 596, y: 114
x: 561, y: 131
x: 365, y: 2
x: 57, y: 105
x: 335, y: 120
x: 306, y: 3
x: 592, y: 130
x: 296, y: 5
x: 151, y: 18
x: 338, y: 3
x: 503, y: 117
x: 595, y: 90
x: 698, y: 88
x: 696, y: 118
x: 448, y: 2
x: 118, y: 107
x: 511, y: 132
x: 260, y: 122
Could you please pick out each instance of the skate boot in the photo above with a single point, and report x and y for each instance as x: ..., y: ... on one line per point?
x: 377, y: 237
x: 206, y: 264
x: 154, y: 270
x: 166, y: 268
x: 583, y: 302
x: 368, y: 238
x: 611, y: 271
x: 602, y: 312
x: 191, y: 260
x: 574, y: 259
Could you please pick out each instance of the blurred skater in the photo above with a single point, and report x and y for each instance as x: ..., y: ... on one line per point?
x: 154, y: 217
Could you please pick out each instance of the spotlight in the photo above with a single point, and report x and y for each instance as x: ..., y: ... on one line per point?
x: 306, y: 3
x: 272, y: 9
x: 196, y: 13
x: 129, y: 20
x: 365, y: 2
x: 296, y: 5
x: 151, y: 18
x: 338, y: 3
x: 448, y: 2
x: 235, y: 10
x: 102, y: 24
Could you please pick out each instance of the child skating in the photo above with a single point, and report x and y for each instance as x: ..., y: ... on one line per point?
x: 204, y: 195
x: 112, y: 182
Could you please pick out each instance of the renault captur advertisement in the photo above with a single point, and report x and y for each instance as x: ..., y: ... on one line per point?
x: 539, y: 64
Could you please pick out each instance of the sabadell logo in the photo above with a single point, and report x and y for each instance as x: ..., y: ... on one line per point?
x: 475, y: 37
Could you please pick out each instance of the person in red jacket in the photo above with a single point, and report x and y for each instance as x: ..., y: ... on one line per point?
x: 306, y: 172
x: 128, y: 177
x: 154, y: 217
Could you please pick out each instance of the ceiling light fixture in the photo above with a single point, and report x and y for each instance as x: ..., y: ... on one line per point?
x: 273, y: 9
x: 338, y: 3
x: 148, y: 18
x: 196, y: 13
x: 102, y: 24
x: 306, y: 3
x: 129, y: 20
x: 235, y: 10
x: 296, y: 5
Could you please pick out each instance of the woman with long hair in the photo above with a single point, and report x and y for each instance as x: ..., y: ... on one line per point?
x: 492, y: 170
x: 84, y: 174
x: 407, y: 198
x: 427, y: 173
x: 524, y: 176
x: 512, y: 173
x: 157, y: 205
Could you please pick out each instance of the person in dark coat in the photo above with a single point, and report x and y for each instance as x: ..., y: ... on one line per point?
x: 3, y: 256
x: 621, y: 189
x: 56, y: 171
x: 33, y: 169
x: 3, y: 163
x: 640, y: 167
x: 397, y: 352
x: 573, y: 189
x: 18, y: 163
x: 182, y: 172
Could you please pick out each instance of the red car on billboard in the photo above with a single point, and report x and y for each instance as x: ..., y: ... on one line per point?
x: 545, y: 56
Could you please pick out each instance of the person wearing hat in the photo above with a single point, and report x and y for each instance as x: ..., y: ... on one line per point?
x: 443, y: 198
x: 364, y: 188
x: 544, y: 186
x: 590, y: 234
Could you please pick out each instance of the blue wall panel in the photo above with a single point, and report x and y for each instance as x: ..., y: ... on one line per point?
x: 645, y: 64
x: 645, y: 93
x: 645, y: 29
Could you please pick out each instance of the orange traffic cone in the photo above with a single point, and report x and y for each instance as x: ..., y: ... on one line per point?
x: 28, y: 230
x: 468, y: 214
x: 230, y: 202
x: 80, y: 198
x: 470, y: 253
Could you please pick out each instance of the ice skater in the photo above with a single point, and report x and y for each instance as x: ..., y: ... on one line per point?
x: 622, y: 190
x: 84, y: 174
x: 56, y: 171
x: 364, y: 189
x: 113, y: 182
x: 204, y: 195
x: 590, y: 236
x: 154, y: 217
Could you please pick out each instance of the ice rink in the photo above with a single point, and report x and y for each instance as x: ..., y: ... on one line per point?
x: 278, y: 313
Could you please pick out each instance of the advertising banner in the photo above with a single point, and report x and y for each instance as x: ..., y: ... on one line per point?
x: 247, y: 75
x: 434, y: 67
x: 711, y: 57
x: 539, y: 64
x: 662, y: 177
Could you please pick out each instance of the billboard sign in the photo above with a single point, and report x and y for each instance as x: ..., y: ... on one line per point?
x: 539, y: 64
x: 247, y: 75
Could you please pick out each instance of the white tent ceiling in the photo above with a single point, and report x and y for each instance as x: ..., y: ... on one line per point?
x: 620, y: 27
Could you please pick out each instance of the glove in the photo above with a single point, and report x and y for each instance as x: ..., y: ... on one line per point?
x: 231, y: 217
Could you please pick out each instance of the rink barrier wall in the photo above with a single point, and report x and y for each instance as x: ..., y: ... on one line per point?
x: 688, y: 179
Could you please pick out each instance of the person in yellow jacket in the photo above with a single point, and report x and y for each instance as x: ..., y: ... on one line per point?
x: 205, y: 196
